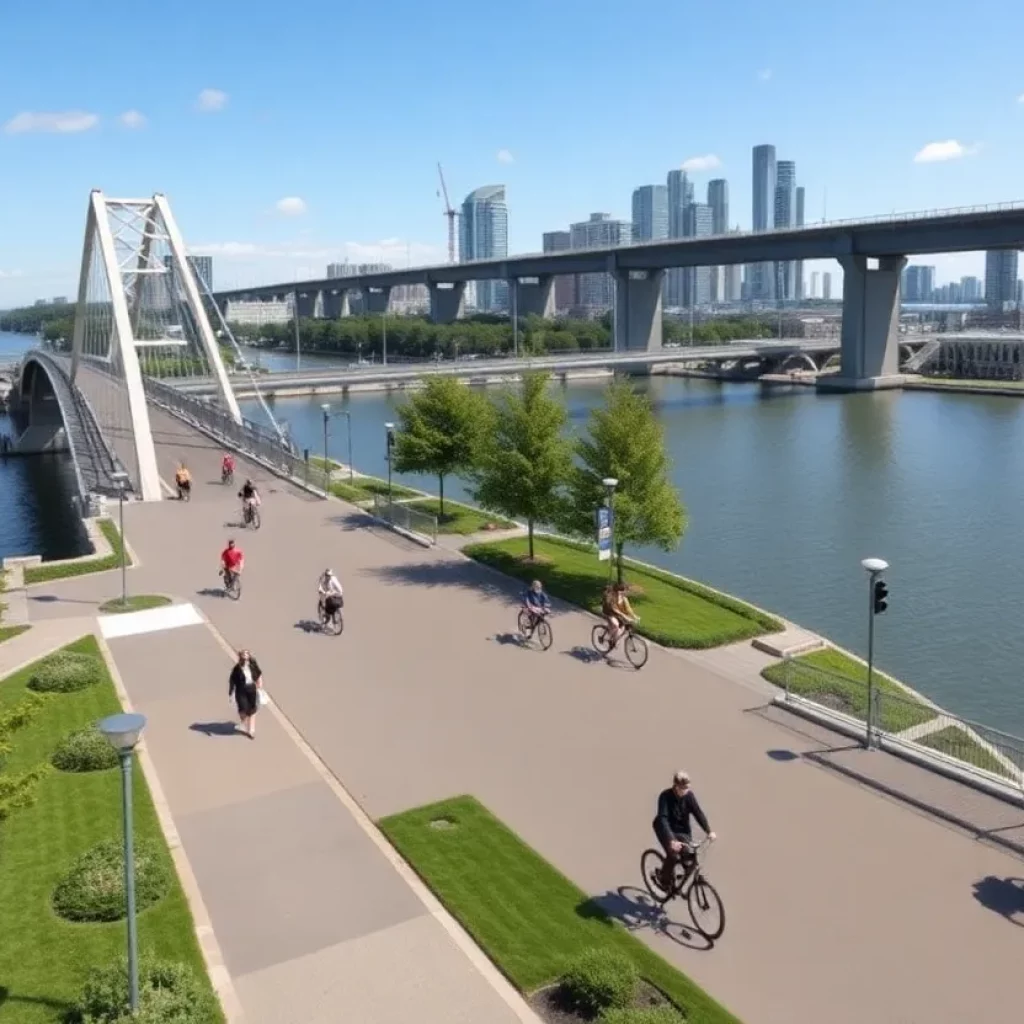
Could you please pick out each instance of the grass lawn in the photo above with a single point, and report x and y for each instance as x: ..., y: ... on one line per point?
x: 363, y: 488
x: 136, y: 603
x: 9, y: 632
x: 461, y: 519
x: 44, y: 959
x: 528, y: 918
x: 59, y: 571
x: 956, y: 742
x: 841, y: 683
x: 673, y: 611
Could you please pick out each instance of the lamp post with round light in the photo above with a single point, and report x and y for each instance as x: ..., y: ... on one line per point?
x: 610, y: 483
x: 390, y: 428
x: 123, y: 733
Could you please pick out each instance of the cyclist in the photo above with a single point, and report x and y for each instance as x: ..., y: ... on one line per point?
x: 231, y: 561
x: 617, y: 611
x: 250, y: 498
x: 331, y: 593
x: 535, y: 601
x: 183, y: 478
x: 676, y: 806
x: 227, y: 467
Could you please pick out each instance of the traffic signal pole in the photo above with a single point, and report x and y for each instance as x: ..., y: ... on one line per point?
x: 877, y: 592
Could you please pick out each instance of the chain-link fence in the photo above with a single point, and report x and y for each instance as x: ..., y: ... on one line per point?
x: 898, y: 715
x: 401, y: 514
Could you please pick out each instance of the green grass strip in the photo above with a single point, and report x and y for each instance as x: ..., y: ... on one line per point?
x: 458, y: 518
x: 65, y: 570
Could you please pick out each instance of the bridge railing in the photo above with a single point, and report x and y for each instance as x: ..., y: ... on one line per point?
x: 399, y: 514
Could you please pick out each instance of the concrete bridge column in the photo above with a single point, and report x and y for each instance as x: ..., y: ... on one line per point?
x: 638, y: 310
x: 335, y: 304
x: 534, y: 295
x: 871, y: 321
x: 305, y: 305
x: 376, y: 300
x: 446, y: 302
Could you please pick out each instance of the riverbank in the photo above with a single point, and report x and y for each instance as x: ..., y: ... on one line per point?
x: 1008, y: 388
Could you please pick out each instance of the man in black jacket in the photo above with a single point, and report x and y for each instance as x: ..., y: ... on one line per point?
x: 676, y: 806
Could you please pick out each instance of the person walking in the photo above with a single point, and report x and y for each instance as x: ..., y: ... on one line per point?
x: 246, y: 686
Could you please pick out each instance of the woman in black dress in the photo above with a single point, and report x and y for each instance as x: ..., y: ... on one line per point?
x: 245, y: 685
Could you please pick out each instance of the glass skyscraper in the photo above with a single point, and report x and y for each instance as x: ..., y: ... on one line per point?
x: 785, y: 216
x: 760, y: 275
x: 483, y: 235
x: 650, y: 213
x: 1000, y: 277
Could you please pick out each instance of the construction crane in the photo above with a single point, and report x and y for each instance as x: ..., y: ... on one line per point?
x: 449, y: 212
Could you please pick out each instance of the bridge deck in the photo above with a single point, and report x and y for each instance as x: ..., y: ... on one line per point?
x: 844, y: 906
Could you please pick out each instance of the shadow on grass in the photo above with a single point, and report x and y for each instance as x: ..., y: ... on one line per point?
x: 1003, y: 895
x: 465, y: 574
x: 216, y: 728
x: 635, y: 910
x: 63, y: 1008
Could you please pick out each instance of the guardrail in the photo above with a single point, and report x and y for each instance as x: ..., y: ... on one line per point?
x: 900, y: 718
x: 399, y: 514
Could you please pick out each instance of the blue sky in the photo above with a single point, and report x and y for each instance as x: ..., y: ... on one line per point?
x: 349, y: 106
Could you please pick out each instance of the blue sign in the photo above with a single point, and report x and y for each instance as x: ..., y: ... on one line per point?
x: 604, y: 534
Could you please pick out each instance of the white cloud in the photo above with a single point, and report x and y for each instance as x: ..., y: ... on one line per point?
x: 764, y: 75
x: 695, y: 164
x: 64, y: 122
x: 291, y: 206
x: 938, y: 152
x: 9, y: 274
x: 505, y: 156
x: 211, y: 99
x: 133, y: 119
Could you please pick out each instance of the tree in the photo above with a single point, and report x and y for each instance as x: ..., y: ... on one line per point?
x: 626, y: 442
x: 526, y: 460
x: 440, y: 430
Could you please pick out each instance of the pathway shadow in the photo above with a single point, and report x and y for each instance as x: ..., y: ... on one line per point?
x: 509, y: 640
x: 585, y: 654
x: 447, y: 574
x: 308, y: 626
x: 55, y: 598
x: 212, y: 592
x: 1003, y: 895
x: 216, y: 728
x: 634, y: 908
x: 782, y: 755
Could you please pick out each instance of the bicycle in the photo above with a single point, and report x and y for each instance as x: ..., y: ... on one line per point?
x: 185, y: 491
x: 332, y: 624
x: 227, y: 477
x: 251, y: 515
x: 232, y: 583
x: 634, y: 645
x: 531, y: 623
x: 690, y: 883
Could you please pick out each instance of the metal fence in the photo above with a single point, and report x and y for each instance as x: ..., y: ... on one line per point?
x: 901, y: 717
x: 400, y: 514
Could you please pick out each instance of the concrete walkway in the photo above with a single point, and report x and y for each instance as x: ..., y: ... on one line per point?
x: 843, y: 905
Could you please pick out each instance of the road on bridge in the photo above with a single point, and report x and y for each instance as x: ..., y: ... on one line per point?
x: 844, y: 906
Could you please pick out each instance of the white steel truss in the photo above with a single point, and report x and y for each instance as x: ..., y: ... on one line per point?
x: 135, y: 249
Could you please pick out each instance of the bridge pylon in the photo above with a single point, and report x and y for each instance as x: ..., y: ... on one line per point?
x: 140, y: 314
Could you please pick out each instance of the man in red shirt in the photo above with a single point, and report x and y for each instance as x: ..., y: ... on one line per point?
x: 232, y: 559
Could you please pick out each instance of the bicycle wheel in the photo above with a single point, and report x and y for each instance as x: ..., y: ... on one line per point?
x: 525, y: 624
x: 234, y: 587
x: 705, y: 904
x: 255, y: 521
x: 336, y: 623
x: 636, y: 650
x: 599, y: 638
x: 544, y: 634
x: 651, y: 864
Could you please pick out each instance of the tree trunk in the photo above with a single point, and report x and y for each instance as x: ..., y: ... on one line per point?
x: 529, y: 528
x: 618, y: 560
x: 440, y: 494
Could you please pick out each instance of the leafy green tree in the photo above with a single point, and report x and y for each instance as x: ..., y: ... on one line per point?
x: 626, y: 442
x: 441, y: 429
x: 526, y: 460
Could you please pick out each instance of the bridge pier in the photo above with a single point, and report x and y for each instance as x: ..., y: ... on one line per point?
x: 376, y: 300
x: 446, y: 302
x: 871, y: 322
x: 638, y: 310
x: 305, y: 305
x: 335, y: 304
x: 534, y: 296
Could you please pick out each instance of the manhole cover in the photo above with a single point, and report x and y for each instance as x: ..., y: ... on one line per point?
x: 442, y: 823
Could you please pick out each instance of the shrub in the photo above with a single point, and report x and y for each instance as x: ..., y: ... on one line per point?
x: 93, y: 890
x: 599, y: 979
x: 18, y: 791
x: 169, y: 993
x: 66, y: 672
x: 643, y: 1015
x: 16, y: 718
x: 84, y: 751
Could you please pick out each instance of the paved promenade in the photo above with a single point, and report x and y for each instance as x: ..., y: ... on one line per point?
x: 844, y: 906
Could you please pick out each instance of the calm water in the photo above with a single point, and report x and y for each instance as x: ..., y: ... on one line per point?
x: 787, y: 491
x: 36, y: 514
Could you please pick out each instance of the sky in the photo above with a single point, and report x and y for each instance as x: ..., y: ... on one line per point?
x: 290, y: 136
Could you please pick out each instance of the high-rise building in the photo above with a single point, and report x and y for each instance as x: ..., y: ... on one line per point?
x: 798, y: 286
x: 564, y: 284
x: 202, y: 267
x: 970, y: 289
x: 761, y: 275
x: 483, y: 235
x: 918, y: 284
x: 697, y: 280
x: 826, y: 286
x: 814, y: 284
x: 60, y: 300
x: 733, y: 274
x: 680, y: 196
x: 785, y: 215
x: 347, y: 269
x: 650, y: 213
x: 594, y: 292
x: 718, y: 200
x: 1000, y: 277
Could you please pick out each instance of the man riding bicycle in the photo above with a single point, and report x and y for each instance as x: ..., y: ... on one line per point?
x: 331, y: 594
x: 227, y: 466
x: 676, y: 806
x: 250, y: 498
x: 232, y: 561
x: 617, y: 611
x: 535, y: 601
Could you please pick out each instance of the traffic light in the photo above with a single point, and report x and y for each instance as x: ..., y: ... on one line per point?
x: 881, y: 597
x: 391, y: 440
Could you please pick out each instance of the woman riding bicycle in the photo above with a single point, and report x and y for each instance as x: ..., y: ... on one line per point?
x: 616, y: 609
x: 183, y: 479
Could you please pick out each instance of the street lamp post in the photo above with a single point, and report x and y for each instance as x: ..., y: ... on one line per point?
x: 874, y: 568
x: 123, y: 732
x: 121, y: 479
x: 348, y: 423
x: 514, y: 295
x: 384, y: 337
x: 326, y: 409
x: 610, y: 483
x: 390, y: 428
